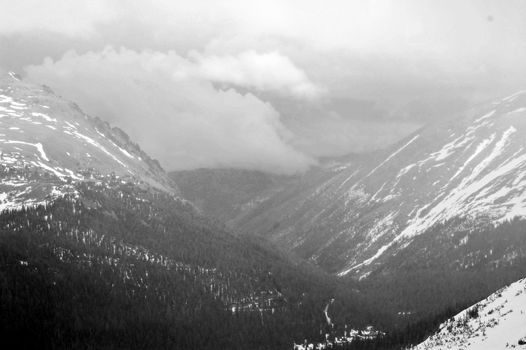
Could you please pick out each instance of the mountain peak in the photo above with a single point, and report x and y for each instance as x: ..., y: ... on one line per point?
x: 43, y: 134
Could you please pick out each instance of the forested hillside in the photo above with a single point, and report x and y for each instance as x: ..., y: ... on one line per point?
x: 120, y: 267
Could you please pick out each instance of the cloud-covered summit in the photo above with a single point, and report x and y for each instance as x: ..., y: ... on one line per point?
x: 282, y: 82
x: 166, y: 103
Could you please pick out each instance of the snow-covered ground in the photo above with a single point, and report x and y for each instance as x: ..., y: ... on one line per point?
x: 474, y: 170
x: 497, y: 322
x: 40, y: 133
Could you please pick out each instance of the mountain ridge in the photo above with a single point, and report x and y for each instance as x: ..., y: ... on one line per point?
x: 497, y: 322
x: 462, y: 168
x: 69, y: 146
x: 421, y: 226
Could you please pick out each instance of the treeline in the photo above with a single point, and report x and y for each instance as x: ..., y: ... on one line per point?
x: 452, y: 264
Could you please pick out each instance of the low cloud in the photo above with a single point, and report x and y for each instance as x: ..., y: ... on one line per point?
x: 177, y: 115
x: 335, y: 136
x: 69, y: 18
x: 263, y: 72
x: 359, y: 74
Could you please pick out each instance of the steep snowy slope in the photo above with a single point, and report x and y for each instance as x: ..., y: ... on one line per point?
x: 498, y: 322
x: 42, y: 134
x: 353, y: 214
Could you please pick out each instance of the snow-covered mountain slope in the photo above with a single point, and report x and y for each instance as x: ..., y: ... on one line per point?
x: 114, y: 255
x: 47, y: 143
x: 354, y: 213
x: 497, y: 322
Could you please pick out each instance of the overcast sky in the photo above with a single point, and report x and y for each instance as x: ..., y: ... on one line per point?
x: 268, y: 85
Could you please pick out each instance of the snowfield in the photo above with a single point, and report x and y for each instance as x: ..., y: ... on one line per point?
x: 497, y: 322
x: 48, y: 144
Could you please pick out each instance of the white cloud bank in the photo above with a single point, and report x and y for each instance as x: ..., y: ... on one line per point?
x: 263, y: 72
x: 164, y: 101
x: 403, y: 56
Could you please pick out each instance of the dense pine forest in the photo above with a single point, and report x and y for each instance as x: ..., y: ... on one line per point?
x: 124, y: 267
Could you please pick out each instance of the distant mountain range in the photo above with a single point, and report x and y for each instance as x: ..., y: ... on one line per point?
x: 443, y: 208
x: 352, y: 215
x: 101, y: 248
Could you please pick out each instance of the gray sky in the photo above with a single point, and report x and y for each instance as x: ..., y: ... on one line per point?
x: 269, y: 85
